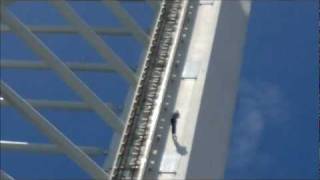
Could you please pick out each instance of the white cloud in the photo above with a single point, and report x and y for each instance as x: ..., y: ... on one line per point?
x: 260, y: 103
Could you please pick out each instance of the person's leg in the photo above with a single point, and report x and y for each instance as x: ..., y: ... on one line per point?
x: 174, y: 130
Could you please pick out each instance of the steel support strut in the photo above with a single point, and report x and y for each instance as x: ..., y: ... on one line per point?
x: 53, y: 134
x: 62, y: 70
x: 5, y: 176
x: 102, y: 48
x: 127, y: 21
x: 130, y: 161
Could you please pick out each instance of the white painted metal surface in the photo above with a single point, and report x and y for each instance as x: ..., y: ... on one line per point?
x: 205, y: 96
x: 108, y: 163
x: 166, y: 78
x: 202, y: 87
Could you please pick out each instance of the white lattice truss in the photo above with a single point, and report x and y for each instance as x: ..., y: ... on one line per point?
x: 29, y: 107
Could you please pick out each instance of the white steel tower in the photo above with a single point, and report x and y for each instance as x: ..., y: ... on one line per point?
x: 190, y: 64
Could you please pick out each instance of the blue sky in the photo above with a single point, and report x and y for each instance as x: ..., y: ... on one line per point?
x: 275, y: 128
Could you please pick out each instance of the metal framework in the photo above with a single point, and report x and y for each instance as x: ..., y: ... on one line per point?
x: 61, y: 69
x: 57, y: 137
x: 189, y: 69
x: 50, y: 61
x: 185, y: 66
x: 103, y: 49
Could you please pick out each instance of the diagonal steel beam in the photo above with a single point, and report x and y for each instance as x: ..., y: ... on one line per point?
x: 27, y: 64
x: 108, y: 162
x: 98, y: 43
x: 5, y: 176
x: 53, y: 134
x: 127, y: 21
x: 45, y: 148
x: 62, y: 70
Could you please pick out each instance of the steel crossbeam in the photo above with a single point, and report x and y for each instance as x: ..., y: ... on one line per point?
x: 62, y: 70
x: 127, y: 21
x: 53, y: 134
x: 49, y: 60
x: 102, y: 48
